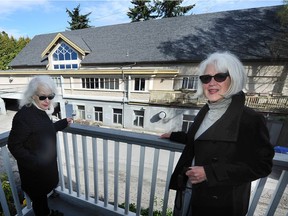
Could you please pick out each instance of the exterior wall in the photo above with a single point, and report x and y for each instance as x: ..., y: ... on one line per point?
x: 162, y: 83
x: 152, y: 121
x: 14, y: 83
x: 160, y: 89
x: 267, y: 78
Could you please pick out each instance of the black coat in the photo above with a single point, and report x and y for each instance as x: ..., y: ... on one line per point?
x: 32, y: 141
x: 234, y: 151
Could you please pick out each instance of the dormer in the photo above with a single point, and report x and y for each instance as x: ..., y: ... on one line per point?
x: 65, y: 53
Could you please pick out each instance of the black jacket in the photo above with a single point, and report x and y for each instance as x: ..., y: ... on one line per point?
x: 32, y: 141
x: 234, y: 151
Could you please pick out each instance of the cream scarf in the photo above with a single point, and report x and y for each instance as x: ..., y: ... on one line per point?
x: 216, y: 110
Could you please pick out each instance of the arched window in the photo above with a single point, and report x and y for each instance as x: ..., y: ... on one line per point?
x: 65, y: 58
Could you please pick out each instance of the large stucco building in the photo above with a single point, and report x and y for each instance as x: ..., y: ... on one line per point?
x: 143, y: 75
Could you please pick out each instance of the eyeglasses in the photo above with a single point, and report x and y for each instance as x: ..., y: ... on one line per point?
x: 43, y: 97
x: 219, y: 77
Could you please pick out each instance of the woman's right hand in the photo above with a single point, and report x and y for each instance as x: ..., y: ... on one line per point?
x: 165, y: 136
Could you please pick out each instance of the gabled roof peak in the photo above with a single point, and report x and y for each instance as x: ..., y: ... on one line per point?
x: 76, y: 42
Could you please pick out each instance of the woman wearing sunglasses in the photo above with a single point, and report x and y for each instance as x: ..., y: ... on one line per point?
x: 32, y: 141
x: 226, y: 148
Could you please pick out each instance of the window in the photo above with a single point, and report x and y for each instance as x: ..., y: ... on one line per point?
x: 100, y: 83
x: 190, y: 82
x: 187, y: 122
x: 117, y: 116
x: 139, y: 118
x: 98, y: 114
x: 81, y: 112
x: 139, y: 84
x: 65, y: 58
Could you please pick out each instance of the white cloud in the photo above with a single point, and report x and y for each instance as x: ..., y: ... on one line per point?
x: 8, y: 7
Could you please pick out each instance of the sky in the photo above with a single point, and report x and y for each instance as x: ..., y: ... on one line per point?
x: 27, y: 18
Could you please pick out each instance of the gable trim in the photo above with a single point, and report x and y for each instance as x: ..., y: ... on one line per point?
x: 66, y: 40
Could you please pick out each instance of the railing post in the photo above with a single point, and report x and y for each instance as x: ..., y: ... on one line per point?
x: 3, y: 201
x: 282, y: 183
x: 11, y: 180
x: 153, y: 183
x: 256, y: 196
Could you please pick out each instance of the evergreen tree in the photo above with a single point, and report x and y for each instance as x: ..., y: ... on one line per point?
x: 142, y: 10
x: 77, y: 21
x: 168, y: 8
x: 9, y: 48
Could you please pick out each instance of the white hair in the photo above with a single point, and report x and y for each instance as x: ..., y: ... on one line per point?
x: 225, y: 62
x: 44, y: 81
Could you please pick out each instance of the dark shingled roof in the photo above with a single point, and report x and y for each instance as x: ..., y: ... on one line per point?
x: 248, y: 33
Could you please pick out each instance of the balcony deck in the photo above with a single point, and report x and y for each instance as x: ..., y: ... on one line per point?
x: 69, y: 208
x: 103, y: 168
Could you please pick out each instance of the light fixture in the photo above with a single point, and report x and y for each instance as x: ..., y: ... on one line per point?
x: 162, y: 115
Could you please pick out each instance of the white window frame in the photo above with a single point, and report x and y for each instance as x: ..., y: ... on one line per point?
x: 81, y: 111
x: 118, y: 116
x: 190, y: 82
x: 100, y: 83
x: 98, y: 111
x: 187, y: 121
x: 138, y: 86
x: 64, y: 64
x: 139, y: 118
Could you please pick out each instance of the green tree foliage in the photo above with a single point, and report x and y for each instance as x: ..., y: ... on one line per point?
x: 279, y: 47
x: 142, y: 10
x: 78, y: 21
x: 147, y: 9
x: 283, y: 13
x: 168, y: 8
x: 9, y: 48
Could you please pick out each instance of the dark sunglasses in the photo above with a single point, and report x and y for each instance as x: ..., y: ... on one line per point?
x: 219, y: 77
x: 43, y: 97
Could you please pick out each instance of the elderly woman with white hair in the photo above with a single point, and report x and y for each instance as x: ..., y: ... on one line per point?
x: 32, y: 141
x: 227, y: 146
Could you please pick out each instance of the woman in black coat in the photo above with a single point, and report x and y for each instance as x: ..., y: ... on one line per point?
x: 32, y: 141
x: 226, y: 148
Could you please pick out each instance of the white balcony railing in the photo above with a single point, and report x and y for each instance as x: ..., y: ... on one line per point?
x: 104, y: 168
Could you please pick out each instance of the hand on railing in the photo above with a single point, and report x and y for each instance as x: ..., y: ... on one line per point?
x: 165, y: 136
x: 69, y: 120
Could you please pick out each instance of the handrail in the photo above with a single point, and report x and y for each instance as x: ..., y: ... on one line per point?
x: 98, y: 165
x: 142, y: 139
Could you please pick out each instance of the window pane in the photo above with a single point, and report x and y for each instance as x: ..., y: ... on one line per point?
x: 112, y: 84
x: 67, y: 56
x: 74, y: 56
x: 55, y: 57
x: 107, y: 83
x: 61, y: 57
x: 92, y: 83
x: 96, y: 83
x: 101, y: 83
x: 83, y: 82
x: 116, y: 83
x: 137, y: 81
x: 142, y: 84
